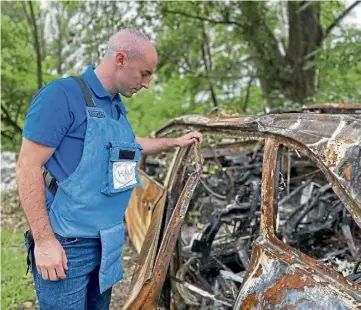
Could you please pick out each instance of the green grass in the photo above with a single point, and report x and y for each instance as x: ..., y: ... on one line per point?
x: 16, y: 288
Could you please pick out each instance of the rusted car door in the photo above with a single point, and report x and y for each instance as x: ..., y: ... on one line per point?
x: 279, y: 276
x: 155, y: 255
x: 147, y: 197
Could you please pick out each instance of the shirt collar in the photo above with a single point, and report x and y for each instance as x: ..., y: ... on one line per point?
x: 91, y: 78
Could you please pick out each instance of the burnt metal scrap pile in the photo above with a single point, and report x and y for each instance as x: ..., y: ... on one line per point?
x: 224, y: 218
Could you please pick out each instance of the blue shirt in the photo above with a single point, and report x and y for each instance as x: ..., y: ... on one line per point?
x: 57, y: 118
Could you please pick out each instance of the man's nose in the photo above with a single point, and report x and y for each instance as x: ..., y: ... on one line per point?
x: 146, y: 84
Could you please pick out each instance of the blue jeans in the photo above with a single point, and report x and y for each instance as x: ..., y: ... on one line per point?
x: 80, y: 289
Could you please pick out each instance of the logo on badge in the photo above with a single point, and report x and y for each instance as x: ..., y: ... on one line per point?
x: 124, y: 174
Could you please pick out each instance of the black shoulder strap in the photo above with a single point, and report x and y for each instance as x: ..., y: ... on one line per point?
x: 88, y: 98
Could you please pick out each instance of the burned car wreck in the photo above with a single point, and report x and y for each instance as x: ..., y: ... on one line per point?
x: 266, y: 214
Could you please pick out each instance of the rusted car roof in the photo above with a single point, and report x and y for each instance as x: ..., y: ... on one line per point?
x: 334, y: 138
x: 334, y: 108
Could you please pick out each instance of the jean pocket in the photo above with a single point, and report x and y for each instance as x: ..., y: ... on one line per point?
x: 66, y: 240
x: 122, y: 167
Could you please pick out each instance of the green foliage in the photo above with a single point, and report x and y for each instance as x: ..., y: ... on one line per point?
x: 213, y: 56
x: 17, y: 75
x: 18, y: 72
x: 339, y: 69
x: 16, y: 287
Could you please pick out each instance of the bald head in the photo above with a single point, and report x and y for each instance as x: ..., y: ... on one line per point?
x: 130, y: 41
x: 129, y: 62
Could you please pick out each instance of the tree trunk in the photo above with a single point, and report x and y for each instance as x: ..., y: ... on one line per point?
x: 33, y: 26
x: 207, y: 60
x: 305, y: 37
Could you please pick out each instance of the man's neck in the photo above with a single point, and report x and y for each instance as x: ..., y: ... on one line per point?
x: 106, y: 79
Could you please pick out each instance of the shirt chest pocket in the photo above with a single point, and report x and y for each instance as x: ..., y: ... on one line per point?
x: 122, y: 167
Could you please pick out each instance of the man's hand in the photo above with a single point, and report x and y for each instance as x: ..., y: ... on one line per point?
x: 189, y: 138
x: 156, y: 145
x: 50, y: 259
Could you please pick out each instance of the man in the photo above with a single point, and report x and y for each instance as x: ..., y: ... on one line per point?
x: 81, y: 136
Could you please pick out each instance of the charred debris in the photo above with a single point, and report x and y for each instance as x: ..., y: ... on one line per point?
x: 223, y: 220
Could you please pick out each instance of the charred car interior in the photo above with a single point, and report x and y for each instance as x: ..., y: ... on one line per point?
x: 266, y: 214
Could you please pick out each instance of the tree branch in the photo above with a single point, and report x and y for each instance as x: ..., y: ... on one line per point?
x: 37, y: 47
x: 208, y: 63
x: 245, y: 104
x: 7, y: 136
x: 33, y: 26
x: 218, y: 77
x: 339, y: 19
x: 7, y: 119
x: 224, y: 22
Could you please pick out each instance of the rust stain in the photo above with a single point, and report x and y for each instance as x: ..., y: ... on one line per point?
x: 277, y: 293
x: 256, y: 253
x: 348, y: 172
x: 283, y: 256
x: 289, y: 307
x: 250, y: 302
x: 349, y: 141
x: 331, y: 156
x: 259, y: 271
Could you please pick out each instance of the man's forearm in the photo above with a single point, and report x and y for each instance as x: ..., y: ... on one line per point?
x: 156, y: 145
x: 31, y: 191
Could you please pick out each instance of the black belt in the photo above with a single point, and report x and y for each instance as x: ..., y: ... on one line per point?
x: 50, y: 182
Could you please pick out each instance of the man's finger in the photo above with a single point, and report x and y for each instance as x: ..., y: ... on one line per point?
x: 195, y: 139
x: 38, y: 269
x: 200, y: 137
x: 52, y: 274
x: 44, y: 274
x: 65, y: 261
x: 60, y: 273
x: 197, y: 135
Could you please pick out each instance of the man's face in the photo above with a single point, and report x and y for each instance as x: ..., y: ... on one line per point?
x: 135, y: 74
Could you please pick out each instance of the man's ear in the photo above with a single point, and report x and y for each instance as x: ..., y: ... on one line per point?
x: 121, y: 59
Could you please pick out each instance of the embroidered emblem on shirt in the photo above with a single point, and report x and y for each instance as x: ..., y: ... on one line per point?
x: 98, y: 114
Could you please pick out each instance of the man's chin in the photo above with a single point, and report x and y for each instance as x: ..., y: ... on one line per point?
x: 127, y: 94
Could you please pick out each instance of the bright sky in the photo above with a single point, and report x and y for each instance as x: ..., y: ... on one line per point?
x: 354, y: 17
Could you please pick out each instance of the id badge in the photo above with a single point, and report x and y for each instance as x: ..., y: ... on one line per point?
x: 124, y: 174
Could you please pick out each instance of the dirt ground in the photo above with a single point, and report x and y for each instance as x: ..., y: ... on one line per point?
x: 12, y: 218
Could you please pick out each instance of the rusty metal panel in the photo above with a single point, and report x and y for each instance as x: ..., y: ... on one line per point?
x: 147, y: 256
x: 334, y: 139
x: 139, y: 212
x: 282, y: 278
x: 147, y: 285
